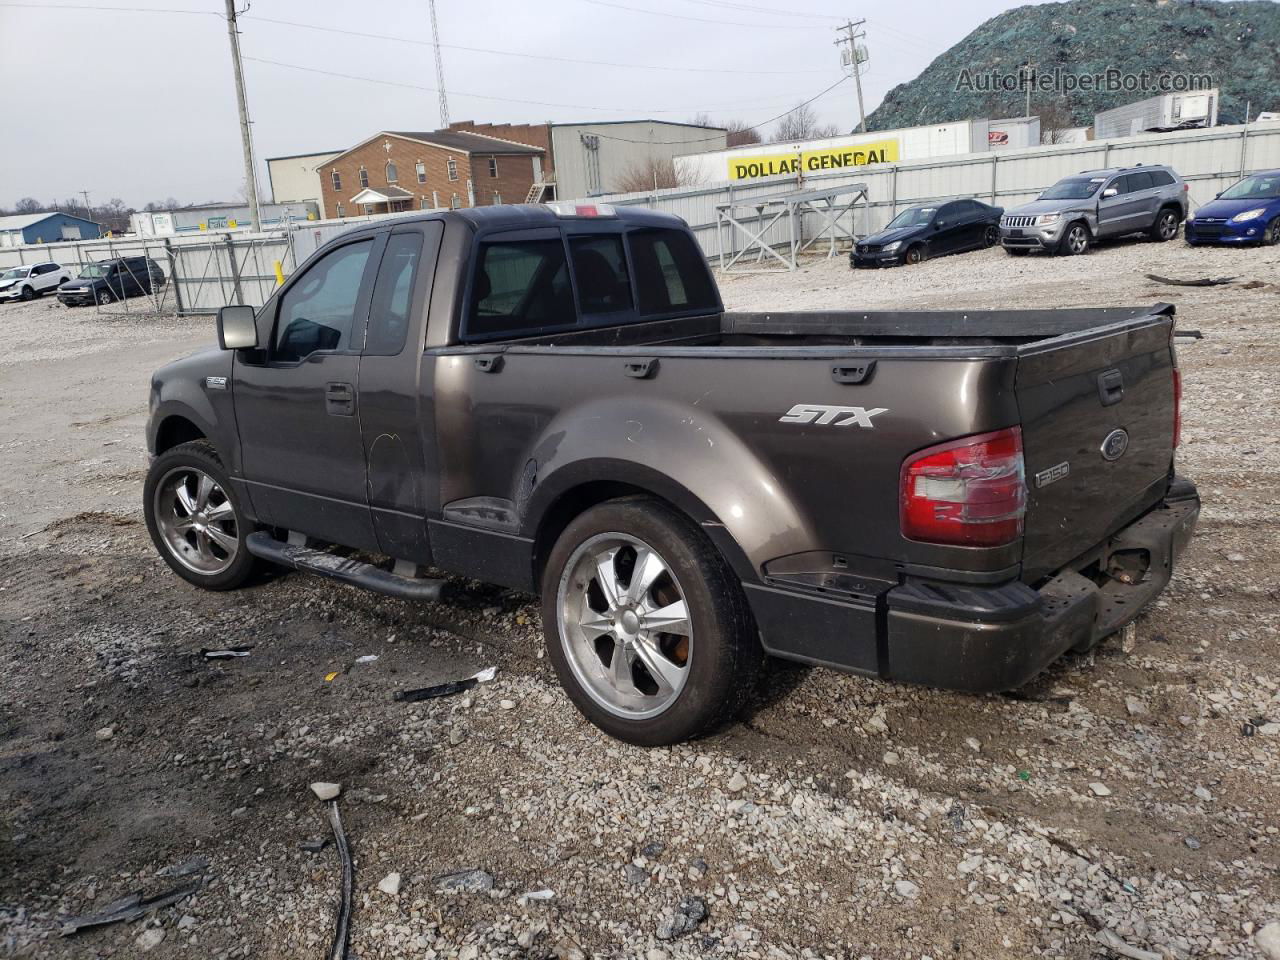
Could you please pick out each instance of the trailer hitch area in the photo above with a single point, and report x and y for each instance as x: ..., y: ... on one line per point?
x: 1129, y: 566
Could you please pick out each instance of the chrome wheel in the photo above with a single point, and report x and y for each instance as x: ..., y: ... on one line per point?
x: 1077, y: 239
x: 1168, y: 226
x: 196, y: 521
x: 624, y: 625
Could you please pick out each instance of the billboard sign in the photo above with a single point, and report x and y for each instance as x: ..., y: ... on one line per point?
x: 822, y: 160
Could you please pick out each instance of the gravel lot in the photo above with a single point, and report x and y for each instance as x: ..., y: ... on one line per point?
x: 1127, y: 801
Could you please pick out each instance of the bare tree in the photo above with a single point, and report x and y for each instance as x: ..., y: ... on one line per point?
x: 653, y: 173
x: 741, y: 134
x: 29, y: 205
x: 702, y: 119
x: 802, y: 124
x: 1055, y: 121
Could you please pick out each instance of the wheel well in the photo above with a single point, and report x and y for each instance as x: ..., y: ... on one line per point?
x: 577, y: 500
x: 176, y: 430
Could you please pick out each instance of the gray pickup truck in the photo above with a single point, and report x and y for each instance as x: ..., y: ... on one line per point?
x: 552, y: 398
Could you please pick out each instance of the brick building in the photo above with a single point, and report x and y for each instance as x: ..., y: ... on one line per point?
x: 396, y: 170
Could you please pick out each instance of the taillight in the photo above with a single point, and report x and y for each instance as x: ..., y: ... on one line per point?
x: 970, y: 492
x: 1177, y: 407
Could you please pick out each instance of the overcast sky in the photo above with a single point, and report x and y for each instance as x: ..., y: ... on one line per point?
x: 139, y: 103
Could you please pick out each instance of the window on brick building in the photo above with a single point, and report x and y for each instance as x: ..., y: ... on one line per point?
x: 493, y: 167
x: 337, y: 180
x: 497, y: 199
x: 364, y: 177
x: 456, y: 202
x: 425, y: 204
x: 340, y: 212
x: 451, y: 165
x: 392, y: 174
x: 421, y: 169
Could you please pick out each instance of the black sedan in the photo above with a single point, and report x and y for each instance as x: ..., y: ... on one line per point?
x: 930, y: 230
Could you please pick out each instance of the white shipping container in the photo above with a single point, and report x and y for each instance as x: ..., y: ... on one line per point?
x: 1169, y: 111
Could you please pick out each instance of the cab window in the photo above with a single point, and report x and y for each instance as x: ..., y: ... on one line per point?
x: 600, y: 272
x: 393, y: 295
x: 520, y: 287
x: 670, y: 273
x: 318, y: 312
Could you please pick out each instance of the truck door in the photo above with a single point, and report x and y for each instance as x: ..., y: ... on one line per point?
x: 296, y: 405
x: 398, y: 434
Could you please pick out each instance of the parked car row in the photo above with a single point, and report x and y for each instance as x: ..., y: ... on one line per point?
x: 100, y: 282
x: 1074, y: 213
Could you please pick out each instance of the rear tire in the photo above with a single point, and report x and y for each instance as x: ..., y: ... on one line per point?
x: 195, y: 518
x: 1075, y: 240
x: 594, y: 611
x: 1166, y: 226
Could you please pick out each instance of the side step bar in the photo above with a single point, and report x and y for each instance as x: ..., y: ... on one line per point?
x: 366, y: 575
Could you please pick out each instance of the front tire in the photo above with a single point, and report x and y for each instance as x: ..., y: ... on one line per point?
x: 195, y: 519
x: 27, y: 293
x: 647, y: 627
x: 1166, y: 226
x: 1271, y: 236
x: 914, y: 255
x: 1075, y: 241
x: 990, y: 237
x: 103, y: 297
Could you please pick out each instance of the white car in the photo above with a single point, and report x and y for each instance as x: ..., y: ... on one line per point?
x: 31, y: 280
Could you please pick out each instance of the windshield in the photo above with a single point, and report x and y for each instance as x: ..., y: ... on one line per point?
x: 912, y: 217
x: 1073, y: 189
x: 94, y: 270
x: 1262, y: 187
x: 14, y: 274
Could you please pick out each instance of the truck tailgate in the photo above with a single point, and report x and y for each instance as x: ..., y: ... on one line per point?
x: 1097, y: 412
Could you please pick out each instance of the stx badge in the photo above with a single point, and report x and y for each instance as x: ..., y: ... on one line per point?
x: 821, y: 414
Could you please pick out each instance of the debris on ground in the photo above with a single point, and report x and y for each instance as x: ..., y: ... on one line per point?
x: 1202, y: 282
x: 225, y: 653
x: 526, y: 898
x: 368, y: 658
x: 186, y: 868
x: 684, y: 920
x: 313, y: 844
x: 448, y: 688
x: 390, y: 884
x: 342, y: 928
x: 326, y: 791
x: 468, y: 880
x: 1118, y: 945
x: 127, y: 908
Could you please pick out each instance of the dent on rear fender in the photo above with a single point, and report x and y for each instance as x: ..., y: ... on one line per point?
x: 690, y: 448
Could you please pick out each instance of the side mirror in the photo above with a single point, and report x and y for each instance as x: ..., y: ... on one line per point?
x: 1216, y: 196
x: 237, y: 328
x: 1109, y: 192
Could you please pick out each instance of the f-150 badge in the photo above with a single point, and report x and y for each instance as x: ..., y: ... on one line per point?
x: 821, y: 414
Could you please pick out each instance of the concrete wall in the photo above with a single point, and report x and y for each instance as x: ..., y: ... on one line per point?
x: 582, y: 172
x: 297, y: 178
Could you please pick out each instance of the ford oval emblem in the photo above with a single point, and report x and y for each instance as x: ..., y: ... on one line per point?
x: 1114, y: 446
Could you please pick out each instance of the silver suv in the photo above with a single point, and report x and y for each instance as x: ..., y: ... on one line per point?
x: 1074, y: 212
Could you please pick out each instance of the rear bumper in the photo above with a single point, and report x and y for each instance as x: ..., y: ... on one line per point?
x: 986, y: 639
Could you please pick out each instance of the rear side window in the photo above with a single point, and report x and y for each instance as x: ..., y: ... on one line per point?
x: 671, y: 276
x: 1139, y: 181
x: 521, y: 286
x: 317, y: 312
x: 393, y: 294
x: 1161, y: 178
x: 600, y: 271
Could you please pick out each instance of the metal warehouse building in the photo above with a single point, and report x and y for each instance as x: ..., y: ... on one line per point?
x: 27, y: 228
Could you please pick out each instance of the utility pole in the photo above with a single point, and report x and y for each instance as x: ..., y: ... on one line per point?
x: 853, y: 56
x: 1027, y: 78
x: 87, y: 209
x: 246, y: 138
x: 435, y: 40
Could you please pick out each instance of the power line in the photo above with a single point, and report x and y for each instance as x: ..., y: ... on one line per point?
x: 762, y: 123
x: 524, y: 56
x: 748, y: 8
x: 481, y: 96
x: 112, y: 9
x: 719, y: 23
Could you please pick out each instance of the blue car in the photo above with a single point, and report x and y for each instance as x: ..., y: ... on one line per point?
x: 1246, y: 212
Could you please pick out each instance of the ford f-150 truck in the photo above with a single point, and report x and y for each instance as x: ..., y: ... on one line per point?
x: 554, y: 399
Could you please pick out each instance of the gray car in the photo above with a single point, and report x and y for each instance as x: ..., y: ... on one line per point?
x: 1094, y: 204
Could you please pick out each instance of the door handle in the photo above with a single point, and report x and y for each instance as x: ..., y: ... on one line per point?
x: 339, y: 399
x: 640, y: 369
x: 489, y: 363
x: 1110, y: 387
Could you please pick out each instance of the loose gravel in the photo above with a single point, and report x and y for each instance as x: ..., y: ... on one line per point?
x: 1125, y: 804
